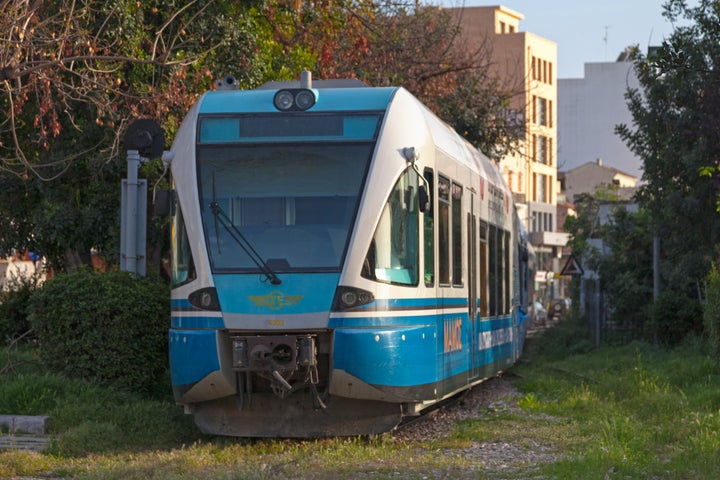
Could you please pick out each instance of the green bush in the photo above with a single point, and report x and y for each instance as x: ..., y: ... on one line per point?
x: 13, y: 306
x: 103, y: 327
x: 673, y: 315
x: 711, y: 308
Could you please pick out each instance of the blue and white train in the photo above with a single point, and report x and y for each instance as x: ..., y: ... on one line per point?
x: 342, y: 259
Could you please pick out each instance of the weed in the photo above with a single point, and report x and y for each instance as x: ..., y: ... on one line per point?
x: 627, y: 411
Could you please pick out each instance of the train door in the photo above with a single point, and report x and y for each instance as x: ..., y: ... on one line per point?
x: 472, y: 287
x: 452, y: 298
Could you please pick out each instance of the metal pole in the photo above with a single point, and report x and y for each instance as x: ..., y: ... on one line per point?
x: 133, y: 165
x: 597, y: 312
x: 656, y: 266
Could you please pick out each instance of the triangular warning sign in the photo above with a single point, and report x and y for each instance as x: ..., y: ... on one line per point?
x: 572, y: 267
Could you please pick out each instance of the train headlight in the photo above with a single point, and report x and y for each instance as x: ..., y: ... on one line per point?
x: 284, y: 100
x: 294, y: 99
x: 350, y: 297
x: 304, y: 99
x: 205, y: 298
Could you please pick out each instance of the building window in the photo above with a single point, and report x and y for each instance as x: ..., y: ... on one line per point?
x: 534, y: 148
x: 541, y: 188
x: 542, y: 70
x: 502, y: 27
x: 534, y: 69
x: 541, y: 116
x: 534, y: 109
x: 542, y: 149
x: 550, y: 113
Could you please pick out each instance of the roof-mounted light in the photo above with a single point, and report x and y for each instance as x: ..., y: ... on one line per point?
x: 294, y: 99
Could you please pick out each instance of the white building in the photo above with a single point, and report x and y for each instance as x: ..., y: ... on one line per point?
x: 589, y: 109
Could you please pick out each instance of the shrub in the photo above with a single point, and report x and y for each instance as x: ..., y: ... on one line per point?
x: 13, y: 306
x: 105, y: 327
x: 673, y: 315
x: 711, y: 308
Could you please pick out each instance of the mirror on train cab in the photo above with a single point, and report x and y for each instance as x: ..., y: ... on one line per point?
x: 423, y: 198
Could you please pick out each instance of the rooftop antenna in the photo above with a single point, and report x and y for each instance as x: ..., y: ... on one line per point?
x: 605, y: 39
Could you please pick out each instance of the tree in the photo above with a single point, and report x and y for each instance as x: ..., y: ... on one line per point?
x: 616, y: 243
x: 391, y: 43
x: 626, y: 271
x: 73, y: 76
x: 676, y: 115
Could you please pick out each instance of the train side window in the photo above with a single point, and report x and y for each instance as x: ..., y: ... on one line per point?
x: 483, y: 269
x: 492, y: 270
x: 429, y: 231
x: 457, y: 223
x: 183, y: 267
x: 443, y: 231
x: 507, y: 269
x: 393, y: 256
x: 500, y: 273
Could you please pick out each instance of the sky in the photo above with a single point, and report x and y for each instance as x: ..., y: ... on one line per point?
x: 587, y: 31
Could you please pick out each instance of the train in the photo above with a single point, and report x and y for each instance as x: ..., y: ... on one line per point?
x: 342, y: 260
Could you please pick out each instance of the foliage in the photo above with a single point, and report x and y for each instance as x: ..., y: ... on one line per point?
x: 627, y: 271
x: 617, y: 244
x: 73, y: 76
x: 711, y: 308
x: 399, y: 43
x: 83, y: 414
x: 674, y: 315
x: 583, y: 227
x: 107, y: 327
x: 676, y: 117
x: 14, y: 299
x: 634, y: 411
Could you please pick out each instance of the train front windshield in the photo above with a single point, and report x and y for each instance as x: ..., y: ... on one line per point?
x: 284, y: 186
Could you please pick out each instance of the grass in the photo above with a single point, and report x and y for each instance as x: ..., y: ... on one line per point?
x: 630, y: 411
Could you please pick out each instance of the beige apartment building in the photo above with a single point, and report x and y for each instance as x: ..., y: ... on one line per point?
x: 527, y: 65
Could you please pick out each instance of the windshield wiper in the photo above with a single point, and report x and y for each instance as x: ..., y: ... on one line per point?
x: 240, y: 239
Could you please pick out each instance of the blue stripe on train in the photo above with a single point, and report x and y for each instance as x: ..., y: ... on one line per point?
x: 412, y: 353
x: 198, y: 321
x: 397, y: 357
x: 193, y: 355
